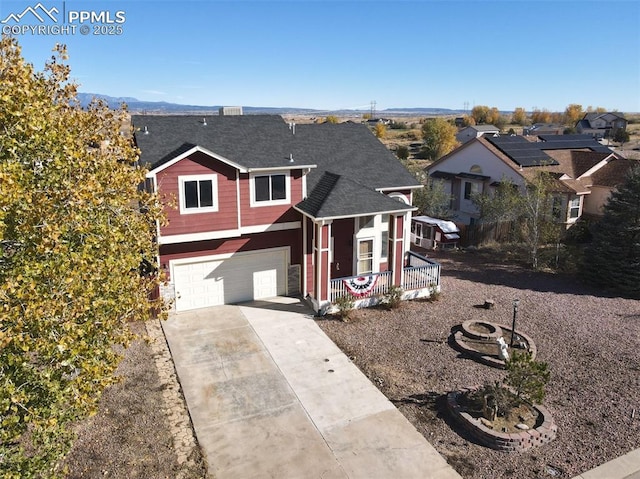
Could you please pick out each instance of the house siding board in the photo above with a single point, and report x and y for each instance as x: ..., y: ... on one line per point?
x: 477, y: 154
x: 593, y: 204
x: 474, y: 153
x: 291, y: 239
x: 260, y: 215
x: 225, y: 218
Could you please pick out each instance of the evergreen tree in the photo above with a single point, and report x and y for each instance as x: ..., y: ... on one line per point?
x: 613, y: 259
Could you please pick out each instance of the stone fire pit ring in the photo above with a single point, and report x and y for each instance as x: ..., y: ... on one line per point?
x: 493, y: 330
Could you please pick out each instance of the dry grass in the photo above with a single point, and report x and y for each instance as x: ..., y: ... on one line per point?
x: 129, y: 437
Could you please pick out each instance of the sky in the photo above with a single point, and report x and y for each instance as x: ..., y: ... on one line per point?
x: 335, y: 54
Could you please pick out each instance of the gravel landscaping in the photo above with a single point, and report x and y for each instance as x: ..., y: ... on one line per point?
x: 589, y: 339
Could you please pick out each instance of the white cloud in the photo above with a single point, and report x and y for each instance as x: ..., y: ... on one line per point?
x: 154, y: 92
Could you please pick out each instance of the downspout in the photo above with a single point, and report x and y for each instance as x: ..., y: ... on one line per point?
x: 304, y: 256
x: 318, y: 285
x: 238, y: 204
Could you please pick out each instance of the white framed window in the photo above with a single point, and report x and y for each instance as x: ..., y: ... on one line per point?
x: 384, y: 245
x: 384, y: 237
x: 365, y: 256
x: 268, y: 189
x: 574, y: 207
x: 198, y: 193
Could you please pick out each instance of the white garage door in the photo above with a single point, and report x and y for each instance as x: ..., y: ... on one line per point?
x: 241, y: 277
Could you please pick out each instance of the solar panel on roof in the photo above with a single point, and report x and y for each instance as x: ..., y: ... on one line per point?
x: 522, y: 151
x: 576, y: 137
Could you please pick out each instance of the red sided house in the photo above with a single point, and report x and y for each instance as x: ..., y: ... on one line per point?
x: 258, y: 208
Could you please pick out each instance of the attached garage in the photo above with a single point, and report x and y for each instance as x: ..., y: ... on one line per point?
x: 229, y: 279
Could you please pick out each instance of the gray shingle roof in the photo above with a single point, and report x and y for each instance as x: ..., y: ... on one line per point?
x: 351, y: 151
x: 359, y: 162
x: 335, y: 196
x: 251, y: 141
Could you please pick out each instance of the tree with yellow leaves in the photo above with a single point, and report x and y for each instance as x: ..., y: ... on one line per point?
x: 76, y: 258
x: 572, y: 114
x: 519, y: 116
x: 439, y: 137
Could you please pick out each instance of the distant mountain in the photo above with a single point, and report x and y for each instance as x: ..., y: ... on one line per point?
x: 162, y: 107
x: 137, y: 106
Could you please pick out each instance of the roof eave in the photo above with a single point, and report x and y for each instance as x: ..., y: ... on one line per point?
x: 397, y: 188
x: 153, y: 171
x: 341, y: 217
x: 291, y: 166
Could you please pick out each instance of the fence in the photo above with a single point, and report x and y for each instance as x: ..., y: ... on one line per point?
x: 482, y: 233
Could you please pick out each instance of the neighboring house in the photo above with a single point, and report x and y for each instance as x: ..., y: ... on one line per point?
x: 601, y: 125
x: 476, y: 131
x: 373, y: 122
x: 538, y: 129
x: 434, y: 233
x: 585, y: 172
x: 257, y: 208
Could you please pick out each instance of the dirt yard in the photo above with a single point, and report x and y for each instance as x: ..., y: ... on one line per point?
x: 590, y: 341
x: 130, y: 437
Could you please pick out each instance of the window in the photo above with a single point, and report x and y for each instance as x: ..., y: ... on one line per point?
x: 365, y: 256
x: 467, y: 190
x: 198, y: 194
x: 270, y: 189
x: 384, y: 238
x: 477, y: 169
x: 574, y: 208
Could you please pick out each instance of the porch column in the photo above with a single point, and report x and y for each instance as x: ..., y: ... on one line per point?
x: 397, y: 249
x: 323, y: 261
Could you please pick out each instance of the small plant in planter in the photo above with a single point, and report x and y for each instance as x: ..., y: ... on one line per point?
x: 393, y: 298
x: 527, y: 378
x: 345, y: 306
x: 507, y: 404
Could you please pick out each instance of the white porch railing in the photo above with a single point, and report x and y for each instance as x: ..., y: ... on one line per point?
x: 383, y: 283
x: 420, y: 273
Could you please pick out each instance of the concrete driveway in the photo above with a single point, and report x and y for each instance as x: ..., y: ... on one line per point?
x: 271, y: 396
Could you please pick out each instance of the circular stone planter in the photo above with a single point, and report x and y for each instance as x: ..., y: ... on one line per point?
x: 476, y: 329
x: 545, y: 430
x: 470, y: 345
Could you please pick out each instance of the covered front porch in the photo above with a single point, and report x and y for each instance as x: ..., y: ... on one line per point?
x: 420, y: 279
x: 364, y: 258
